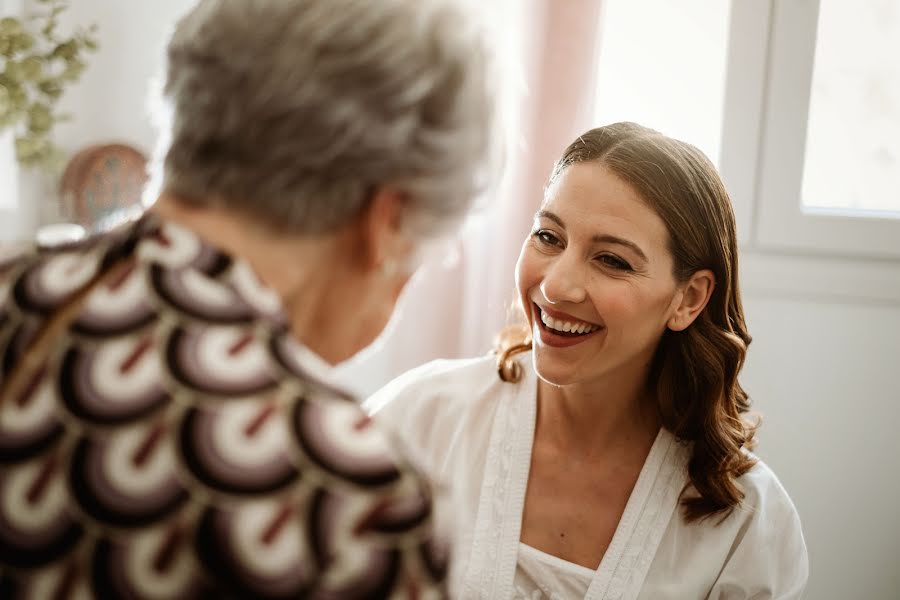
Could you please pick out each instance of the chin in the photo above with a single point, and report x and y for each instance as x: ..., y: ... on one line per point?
x: 554, y: 372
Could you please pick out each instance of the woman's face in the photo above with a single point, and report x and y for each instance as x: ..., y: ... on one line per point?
x: 595, y: 278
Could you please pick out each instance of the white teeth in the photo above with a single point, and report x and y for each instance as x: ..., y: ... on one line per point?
x: 567, y: 327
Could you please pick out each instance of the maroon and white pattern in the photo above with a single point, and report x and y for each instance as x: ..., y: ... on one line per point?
x: 241, y: 448
x: 341, y: 440
x: 173, y: 445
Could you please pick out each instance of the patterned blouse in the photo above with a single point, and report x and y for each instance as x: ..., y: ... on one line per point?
x: 162, y: 436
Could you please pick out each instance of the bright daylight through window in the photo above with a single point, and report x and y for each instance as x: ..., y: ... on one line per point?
x: 667, y: 72
x: 852, y: 161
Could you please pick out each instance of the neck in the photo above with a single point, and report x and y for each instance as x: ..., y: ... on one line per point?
x: 593, y: 418
x: 304, y: 283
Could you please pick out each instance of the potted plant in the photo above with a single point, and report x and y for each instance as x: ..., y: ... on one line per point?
x: 37, y: 63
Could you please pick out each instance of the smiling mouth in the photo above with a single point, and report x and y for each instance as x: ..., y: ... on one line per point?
x: 565, y: 328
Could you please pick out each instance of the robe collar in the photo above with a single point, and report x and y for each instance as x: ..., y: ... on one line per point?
x: 490, y: 569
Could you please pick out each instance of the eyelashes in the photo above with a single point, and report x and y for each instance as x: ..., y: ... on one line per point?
x: 548, y: 239
x: 545, y: 237
x: 615, y: 262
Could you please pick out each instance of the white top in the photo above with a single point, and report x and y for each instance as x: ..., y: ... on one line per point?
x: 541, y: 576
x: 474, y: 433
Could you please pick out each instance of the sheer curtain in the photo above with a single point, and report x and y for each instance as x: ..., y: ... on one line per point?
x: 457, y: 303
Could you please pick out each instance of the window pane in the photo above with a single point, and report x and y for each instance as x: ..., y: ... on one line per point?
x: 662, y: 64
x: 853, y: 136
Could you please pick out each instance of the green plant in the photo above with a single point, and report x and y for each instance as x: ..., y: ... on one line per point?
x: 37, y: 66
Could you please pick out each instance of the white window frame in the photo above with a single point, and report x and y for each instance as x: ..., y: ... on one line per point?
x: 788, y: 249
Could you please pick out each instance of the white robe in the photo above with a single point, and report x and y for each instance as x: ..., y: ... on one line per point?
x: 474, y: 433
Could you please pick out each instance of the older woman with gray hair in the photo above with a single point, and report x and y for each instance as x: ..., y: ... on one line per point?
x: 167, y: 428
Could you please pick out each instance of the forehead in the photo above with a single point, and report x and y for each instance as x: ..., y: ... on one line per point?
x: 589, y: 197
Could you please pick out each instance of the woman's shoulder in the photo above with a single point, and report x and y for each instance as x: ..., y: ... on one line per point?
x: 763, y: 544
x: 763, y: 490
x: 767, y: 515
x: 441, y: 410
x: 448, y: 383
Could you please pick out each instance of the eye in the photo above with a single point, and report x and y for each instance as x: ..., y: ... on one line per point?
x: 546, y: 237
x: 611, y: 260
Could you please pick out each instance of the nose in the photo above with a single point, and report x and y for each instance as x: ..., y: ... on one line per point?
x: 563, y: 281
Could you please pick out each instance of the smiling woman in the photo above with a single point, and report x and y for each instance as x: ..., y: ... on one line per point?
x: 619, y: 187
x: 614, y: 460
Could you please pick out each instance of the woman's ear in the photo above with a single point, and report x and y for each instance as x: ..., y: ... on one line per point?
x: 692, y: 299
x: 380, y: 222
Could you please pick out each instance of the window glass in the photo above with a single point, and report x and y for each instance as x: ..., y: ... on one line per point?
x: 662, y: 64
x: 852, y: 159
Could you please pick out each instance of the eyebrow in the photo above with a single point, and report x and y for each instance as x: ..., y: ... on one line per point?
x: 597, y: 239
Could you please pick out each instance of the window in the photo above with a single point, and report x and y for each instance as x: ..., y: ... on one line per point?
x: 665, y: 72
x: 852, y: 161
x: 798, y: 103
x: 828, y: 150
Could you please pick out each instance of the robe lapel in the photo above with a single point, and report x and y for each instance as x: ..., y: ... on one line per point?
x: 492, y: 564
x: 652, y: 504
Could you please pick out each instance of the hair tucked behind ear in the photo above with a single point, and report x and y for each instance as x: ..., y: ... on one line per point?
x: 694, y: 371
x: 700, y: 399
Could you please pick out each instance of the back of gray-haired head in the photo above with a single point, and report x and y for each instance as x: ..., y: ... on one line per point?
x: 293, y: 111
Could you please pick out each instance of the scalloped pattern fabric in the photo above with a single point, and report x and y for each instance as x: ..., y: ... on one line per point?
x: 173, y: 444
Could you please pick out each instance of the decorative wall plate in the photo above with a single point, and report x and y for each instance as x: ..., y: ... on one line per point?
x: 102, y: 185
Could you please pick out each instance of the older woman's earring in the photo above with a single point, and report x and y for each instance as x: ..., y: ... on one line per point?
x: 388, y: 268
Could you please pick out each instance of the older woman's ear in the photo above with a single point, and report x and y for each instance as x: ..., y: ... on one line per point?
x: 383, y: 238
x: 691, y: 299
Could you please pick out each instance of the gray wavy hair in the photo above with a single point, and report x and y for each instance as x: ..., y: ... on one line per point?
x: 293, y: 111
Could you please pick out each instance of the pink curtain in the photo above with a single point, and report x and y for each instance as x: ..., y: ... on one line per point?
x: 456, y: 305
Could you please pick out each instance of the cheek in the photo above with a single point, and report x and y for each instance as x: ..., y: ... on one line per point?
x: 629, y: 306
x: 527, y: 274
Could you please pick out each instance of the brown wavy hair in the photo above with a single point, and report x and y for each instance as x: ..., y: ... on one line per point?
x: 694, y: 374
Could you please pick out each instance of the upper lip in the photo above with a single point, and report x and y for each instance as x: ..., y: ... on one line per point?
x: 561, y: 316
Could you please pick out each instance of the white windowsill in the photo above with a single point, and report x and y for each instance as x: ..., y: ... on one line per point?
x: 820, y: 278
